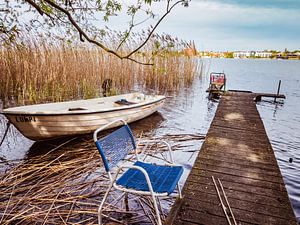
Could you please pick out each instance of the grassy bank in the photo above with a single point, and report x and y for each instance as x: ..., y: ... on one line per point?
x: 42, y: 72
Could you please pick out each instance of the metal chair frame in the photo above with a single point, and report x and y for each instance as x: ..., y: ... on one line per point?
x: 122, y: 167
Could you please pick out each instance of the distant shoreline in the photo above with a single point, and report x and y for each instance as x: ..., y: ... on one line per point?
x: 286, y: 55
x: 288, y: 59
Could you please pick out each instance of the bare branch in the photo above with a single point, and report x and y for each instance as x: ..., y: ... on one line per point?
x: 40, y: 10
x: 169, y: 9
x: 32, y: 3
x: 84, y: 36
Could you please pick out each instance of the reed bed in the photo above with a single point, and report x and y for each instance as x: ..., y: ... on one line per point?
x: 39, y: 71
x: 66, y: 185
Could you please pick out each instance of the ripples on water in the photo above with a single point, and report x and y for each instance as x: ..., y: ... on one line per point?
x: 186, y: 117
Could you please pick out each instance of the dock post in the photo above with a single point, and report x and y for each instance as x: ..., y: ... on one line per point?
x: 278, y: 90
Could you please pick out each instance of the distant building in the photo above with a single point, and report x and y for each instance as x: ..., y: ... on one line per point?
x: 284, y: 55
x: 244, y: 54
x: 204, y: 54
x: 281, y: 56
x: 217, y: 54
x: 293, y: 55
x: 263, y: 54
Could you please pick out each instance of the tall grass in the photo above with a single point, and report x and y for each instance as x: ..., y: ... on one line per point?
x: 39, y: 71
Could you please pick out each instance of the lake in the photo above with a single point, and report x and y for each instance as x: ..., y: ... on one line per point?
x: 186, y: 116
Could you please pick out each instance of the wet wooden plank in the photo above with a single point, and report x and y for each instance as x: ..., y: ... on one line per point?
x: 245, y: 185
x: 237, y: 155
x: 267, y: 95
x: 242, y: 216
x: 239, y: 168
x: 238, y: 152
x: 237, y: 172
x: 202, y: 175
x: 270, y: 197
x: 239, y: 163
x: 247, y: 206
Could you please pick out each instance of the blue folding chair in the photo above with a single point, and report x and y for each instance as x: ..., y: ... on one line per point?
x: 141, y: 178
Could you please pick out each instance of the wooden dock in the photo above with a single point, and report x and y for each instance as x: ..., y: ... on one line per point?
x: 238, y: 152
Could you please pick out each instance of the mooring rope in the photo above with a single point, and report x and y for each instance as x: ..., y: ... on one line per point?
x: 5, y: 133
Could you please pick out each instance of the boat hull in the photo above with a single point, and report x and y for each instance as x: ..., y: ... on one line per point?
x: 42, y: 126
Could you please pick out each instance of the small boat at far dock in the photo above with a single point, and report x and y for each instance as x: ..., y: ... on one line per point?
x: 53, y: 120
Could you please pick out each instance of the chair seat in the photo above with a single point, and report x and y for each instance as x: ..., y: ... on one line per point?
x: 163, y: 178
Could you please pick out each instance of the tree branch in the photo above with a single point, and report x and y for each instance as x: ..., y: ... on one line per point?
x: 36, y: 6
x: 155, y: 26
x: 84, y: 36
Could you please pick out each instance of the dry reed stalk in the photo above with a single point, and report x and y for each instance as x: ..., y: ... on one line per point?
x: 40, y: 72
x: 148, y: 204
x: 9, y: 200
x: 45, y: 219
x: 65, y: 187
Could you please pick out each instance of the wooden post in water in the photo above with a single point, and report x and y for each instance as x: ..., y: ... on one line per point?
x: 278, y: 90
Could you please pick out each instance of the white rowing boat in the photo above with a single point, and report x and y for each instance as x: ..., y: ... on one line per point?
x: 53, y: 120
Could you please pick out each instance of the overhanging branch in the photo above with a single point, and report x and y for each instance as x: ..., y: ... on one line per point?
x: 84, y: 36
x: 155, y: 26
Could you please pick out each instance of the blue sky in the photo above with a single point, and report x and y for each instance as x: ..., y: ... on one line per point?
x: 237, y: 24
x: 229, y: 25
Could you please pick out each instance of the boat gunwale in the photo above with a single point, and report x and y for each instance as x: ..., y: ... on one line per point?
x: 65, y: 113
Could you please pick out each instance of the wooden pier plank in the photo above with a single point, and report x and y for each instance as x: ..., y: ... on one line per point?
x: 238, y: 152
x: 246, y: 206
x: 242, y: 216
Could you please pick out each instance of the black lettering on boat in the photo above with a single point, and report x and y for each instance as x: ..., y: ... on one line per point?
x: 27, y: 119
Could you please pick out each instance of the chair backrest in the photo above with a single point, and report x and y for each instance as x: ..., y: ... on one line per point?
x: 115, y: 146
x: 217, y: 78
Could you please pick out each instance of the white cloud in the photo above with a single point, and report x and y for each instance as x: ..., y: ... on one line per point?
x: 216, y: 25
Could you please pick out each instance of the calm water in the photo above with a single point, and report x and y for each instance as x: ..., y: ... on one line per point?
x: 186, y: 117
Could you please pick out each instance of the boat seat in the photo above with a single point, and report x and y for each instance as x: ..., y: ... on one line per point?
x: 76, y: 109
x: 124, y: 102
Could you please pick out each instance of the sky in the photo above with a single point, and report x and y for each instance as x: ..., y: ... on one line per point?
x: 228, y: 25
x: 231, y: 25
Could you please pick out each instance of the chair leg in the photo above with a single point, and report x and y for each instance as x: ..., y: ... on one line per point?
x: 126, y: 202
x: 160, y: 208
x: 179, y: 190
x: 102, y: 203
x: 156, y: 209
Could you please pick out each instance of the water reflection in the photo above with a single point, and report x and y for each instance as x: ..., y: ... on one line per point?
x: 186, y: 116
x: 15, y: 145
